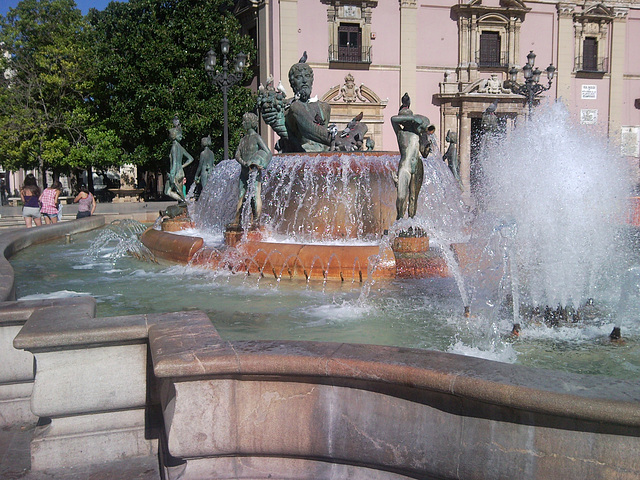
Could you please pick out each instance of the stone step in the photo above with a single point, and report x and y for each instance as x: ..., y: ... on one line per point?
x: 11, y: 221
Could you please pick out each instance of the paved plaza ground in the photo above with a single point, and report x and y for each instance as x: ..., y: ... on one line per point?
x: 15, y: 463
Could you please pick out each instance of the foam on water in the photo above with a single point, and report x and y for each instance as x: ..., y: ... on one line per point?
x: 54, y: 295
x: 563, y: 193
x: 343, y: 311
x: 502, y: 353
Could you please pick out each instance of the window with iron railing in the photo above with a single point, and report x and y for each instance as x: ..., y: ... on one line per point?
x: 349, y: 48
x: 591, y: 64
x: 363, y: 55
x: 489, y: 54
x: 501, y: 61
x: 590, y: 54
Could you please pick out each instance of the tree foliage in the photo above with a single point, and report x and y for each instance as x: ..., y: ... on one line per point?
x: 150, y: 67
x: 46, y: 108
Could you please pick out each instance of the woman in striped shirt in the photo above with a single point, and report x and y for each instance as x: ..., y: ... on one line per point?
x: 49, y: 203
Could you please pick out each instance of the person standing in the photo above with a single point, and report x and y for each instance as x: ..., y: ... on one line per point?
x: 29, y: 193
x: 86, y: 203
x: 49, y: 203
x: 4, y: 192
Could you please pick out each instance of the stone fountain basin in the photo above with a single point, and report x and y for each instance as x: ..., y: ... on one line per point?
x: 255, y: 256
x: 290, y: 409
x: 405, y: 258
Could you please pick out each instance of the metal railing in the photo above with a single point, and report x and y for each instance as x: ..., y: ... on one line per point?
x: 601, y: 65
x: 362, y: 55
x: 501, y: 62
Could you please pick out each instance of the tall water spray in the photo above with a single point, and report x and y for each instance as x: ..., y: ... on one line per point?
x: 563, y: 193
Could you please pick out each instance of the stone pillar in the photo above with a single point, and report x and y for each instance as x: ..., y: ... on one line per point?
x: 474, y: 40
x: 265, y: 55
x: 289, y: 53
x: 565, y: 54
x: 408, y: 44
x: 463, y: 49
x: 90, y: 388
x: 449, y: 122
x: 464, y: 153
x: 616, y: 86
x: 16, y: 375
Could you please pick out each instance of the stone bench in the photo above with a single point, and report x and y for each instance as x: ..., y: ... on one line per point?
x: 16, y: 201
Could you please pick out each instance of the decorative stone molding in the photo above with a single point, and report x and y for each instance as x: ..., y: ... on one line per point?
x: 349, y: 92
x: 348, y: 99
x: 474, y: 18
x: 566, y: 9
x: 593, y: 22
x: 354, y: 12
x: 620, y: 12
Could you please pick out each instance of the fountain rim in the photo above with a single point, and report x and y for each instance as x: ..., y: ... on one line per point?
x: 609, y: 397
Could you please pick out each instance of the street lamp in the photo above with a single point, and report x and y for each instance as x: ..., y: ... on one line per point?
x: 531, y: 87
x: 225, y: 80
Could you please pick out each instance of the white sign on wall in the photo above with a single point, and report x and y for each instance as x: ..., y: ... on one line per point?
x: 588, y: 116
x: 589, y: 92
x: 630, y: 141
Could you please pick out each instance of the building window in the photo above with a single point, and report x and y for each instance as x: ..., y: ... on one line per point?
x: 591, y: 38
x: 350, y: 30
x: 349, y: 43
x: 489, y: 50
x: 590, y: 54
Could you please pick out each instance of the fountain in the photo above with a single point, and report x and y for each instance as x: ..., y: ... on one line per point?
x: 545, y: 250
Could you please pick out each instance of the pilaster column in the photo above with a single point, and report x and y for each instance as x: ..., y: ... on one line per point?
x: 463, y: 49
x: 473, y: 41
x: 464, y: 150
x: 289, y: 53
x: 408, y: 46
x: 565, y: 53
x: 618, y: 37
x: 265, y: 57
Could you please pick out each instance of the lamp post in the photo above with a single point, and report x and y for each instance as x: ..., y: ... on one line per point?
x: 531, y: 87
x: 225, y: 80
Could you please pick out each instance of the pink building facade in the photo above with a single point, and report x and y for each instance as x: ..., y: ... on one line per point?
x: 454, y: 58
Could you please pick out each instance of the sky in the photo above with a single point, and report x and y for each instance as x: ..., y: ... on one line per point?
x: 83, y: 5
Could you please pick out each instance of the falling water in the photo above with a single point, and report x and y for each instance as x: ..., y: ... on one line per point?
x: 120, y: 238
x: 565, y: 192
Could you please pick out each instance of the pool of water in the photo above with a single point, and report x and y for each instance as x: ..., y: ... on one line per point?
x: 418, y: 313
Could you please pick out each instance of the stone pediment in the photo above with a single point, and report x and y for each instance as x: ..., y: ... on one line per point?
x: 596, y: 12
x: 505, y: 8
x: 349, y: 92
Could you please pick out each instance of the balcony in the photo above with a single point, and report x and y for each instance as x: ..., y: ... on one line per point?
x: 591, y: 65
x: 496, y: 60
x: 349, y: 54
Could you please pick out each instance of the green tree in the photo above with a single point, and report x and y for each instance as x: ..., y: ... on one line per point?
x: 151, y: 67
x: 46, y: 109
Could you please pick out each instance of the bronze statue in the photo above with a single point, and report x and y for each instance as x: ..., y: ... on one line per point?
x: 173, y: 187
x: 408, y: 128
x: 207, y: 162
x: 451, y: 155
x: 252, y: 155
x: 490, y: 120
x: 303, y: 122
